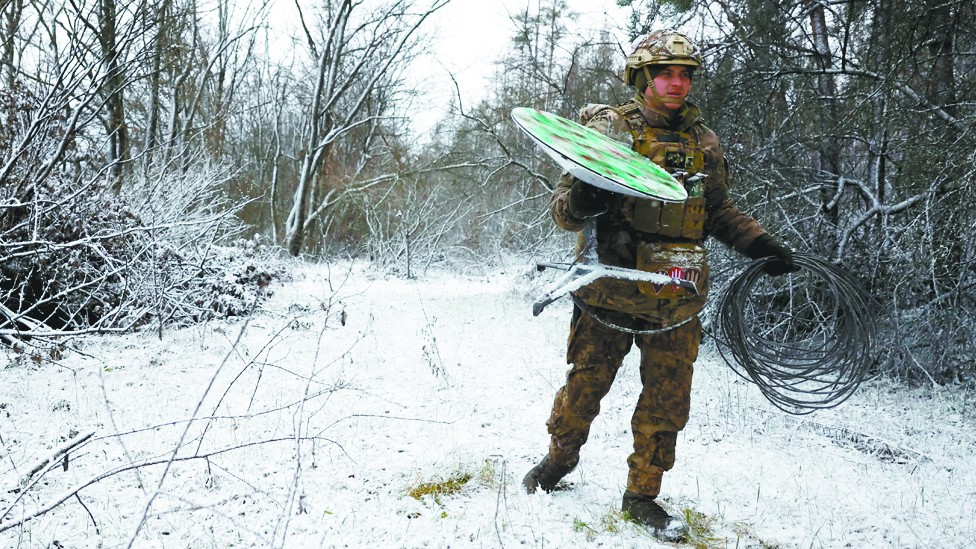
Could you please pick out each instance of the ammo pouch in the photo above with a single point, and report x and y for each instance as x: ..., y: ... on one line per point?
x: 676, y: 152
x: 662, y: 304
x: 671, y: 219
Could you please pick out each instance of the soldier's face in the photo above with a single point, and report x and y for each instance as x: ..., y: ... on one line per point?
x: 672, y: 85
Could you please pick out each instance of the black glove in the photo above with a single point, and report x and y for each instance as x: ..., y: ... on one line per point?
x: 767, y: 246
x: 586, y: 201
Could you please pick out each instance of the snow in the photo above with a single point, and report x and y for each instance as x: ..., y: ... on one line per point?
x: 348, y: 388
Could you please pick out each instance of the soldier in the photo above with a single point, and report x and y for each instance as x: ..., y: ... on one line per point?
x: 650, y: 235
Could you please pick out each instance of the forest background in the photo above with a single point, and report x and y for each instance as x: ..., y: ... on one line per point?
x: 154, y: 156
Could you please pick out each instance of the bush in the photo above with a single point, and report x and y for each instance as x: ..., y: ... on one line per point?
x: 77, y: 256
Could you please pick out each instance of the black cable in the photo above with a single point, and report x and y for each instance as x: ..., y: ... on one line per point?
x: 592, y: 311
x: 807, y: 339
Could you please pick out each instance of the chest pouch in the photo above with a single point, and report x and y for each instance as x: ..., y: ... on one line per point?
x: 672, y: 219
x: 675, y: 152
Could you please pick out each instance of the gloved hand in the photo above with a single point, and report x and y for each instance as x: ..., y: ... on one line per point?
x: 767, y: 246
x: 586, y: 201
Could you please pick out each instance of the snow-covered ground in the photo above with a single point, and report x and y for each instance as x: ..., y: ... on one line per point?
x: 308, y: 425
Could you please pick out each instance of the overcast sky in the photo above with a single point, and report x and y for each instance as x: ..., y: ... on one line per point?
x: 470, y: 35
x: 467, y: 37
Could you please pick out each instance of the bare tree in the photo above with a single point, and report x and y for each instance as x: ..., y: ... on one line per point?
x: 826, y: 167
x: 356, y: 47
x: 114, y: 87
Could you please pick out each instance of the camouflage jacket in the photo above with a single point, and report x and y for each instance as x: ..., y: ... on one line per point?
x: 617, y: 238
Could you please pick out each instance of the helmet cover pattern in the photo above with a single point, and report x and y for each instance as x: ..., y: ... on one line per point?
x: 666, y: 47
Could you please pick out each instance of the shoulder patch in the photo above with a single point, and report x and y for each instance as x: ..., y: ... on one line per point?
x: 629, y: 108
x: 630, y: 112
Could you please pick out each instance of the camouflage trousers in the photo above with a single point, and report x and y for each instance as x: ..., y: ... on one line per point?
x: 596, y: 353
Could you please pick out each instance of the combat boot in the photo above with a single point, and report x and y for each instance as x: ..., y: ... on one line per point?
x: 545, y: 475
x: 644, y: 510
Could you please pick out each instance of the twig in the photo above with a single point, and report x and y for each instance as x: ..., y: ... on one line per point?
x: 498, y: 498
x: 186, y: 430
x: 61, y: 450
x: 68, y: 494
x: 90, y: 515
x: 299, y: 418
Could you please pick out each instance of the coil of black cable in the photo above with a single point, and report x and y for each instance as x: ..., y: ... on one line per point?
x: 806, y: 340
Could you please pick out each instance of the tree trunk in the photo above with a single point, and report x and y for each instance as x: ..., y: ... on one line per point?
x: 878, y: 149
x: 151, y: 139
x: 826, y: 165
x: 941, y: 89
x: 13, y: 9
x: 118, y: 133
x: 948, y: 235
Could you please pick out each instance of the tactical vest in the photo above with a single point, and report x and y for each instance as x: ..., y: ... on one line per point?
x: 681, y: 253
x: 680, y: 154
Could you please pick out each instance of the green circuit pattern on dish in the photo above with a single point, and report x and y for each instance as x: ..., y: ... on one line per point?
x: 597, y: 152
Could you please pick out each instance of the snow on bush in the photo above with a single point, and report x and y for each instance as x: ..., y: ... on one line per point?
x: 76, y: 255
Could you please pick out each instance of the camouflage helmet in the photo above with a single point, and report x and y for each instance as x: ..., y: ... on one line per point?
x: 667, y: 47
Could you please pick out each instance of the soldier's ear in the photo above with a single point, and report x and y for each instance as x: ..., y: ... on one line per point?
x: 640, y: 81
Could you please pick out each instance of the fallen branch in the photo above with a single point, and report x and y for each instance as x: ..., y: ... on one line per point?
x: 61, y: 450
x: 27, y: 482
